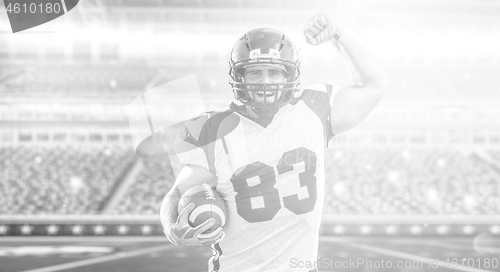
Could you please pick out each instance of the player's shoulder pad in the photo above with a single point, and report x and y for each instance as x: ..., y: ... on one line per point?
x: 211, y: 125
x: 199, y: 121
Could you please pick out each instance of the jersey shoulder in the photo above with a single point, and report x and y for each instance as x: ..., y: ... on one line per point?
x: 317, y: 97
x: 209, y: 126
x: 202, y: 119
x: 195, y: 143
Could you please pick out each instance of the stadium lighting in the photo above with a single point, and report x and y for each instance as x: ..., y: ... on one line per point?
x: 76, y: 184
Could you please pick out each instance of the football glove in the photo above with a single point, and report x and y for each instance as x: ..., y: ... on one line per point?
x: 321, y: 28
x: 181, y: 233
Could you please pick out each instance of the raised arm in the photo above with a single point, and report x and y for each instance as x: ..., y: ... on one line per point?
x: 369, y: 82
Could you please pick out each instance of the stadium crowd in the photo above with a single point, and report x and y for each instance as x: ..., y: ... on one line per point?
x: 75, y: 80
x: 59, y: 180
x: 371, y: 181
x: 410, y: 181
x: 143, y: 196
x: 69, y: 180
x: 81, y: 78
x: 64, y: 180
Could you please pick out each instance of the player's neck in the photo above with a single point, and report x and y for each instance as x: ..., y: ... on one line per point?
x: 251, y: 113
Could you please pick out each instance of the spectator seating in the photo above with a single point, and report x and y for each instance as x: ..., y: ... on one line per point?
x: 58, y: 180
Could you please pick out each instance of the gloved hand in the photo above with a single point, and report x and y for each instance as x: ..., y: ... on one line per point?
x: 181, y: 233
x: 321, y: 28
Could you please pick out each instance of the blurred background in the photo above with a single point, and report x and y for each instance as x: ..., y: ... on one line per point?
x: 425, y: 162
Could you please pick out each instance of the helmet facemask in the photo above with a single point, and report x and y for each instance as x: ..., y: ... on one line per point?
x: 272, y: 95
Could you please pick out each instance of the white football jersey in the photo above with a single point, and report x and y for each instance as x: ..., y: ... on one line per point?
x: 271, y: 174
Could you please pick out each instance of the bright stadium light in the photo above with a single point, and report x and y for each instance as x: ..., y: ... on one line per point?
x: 75, y: 184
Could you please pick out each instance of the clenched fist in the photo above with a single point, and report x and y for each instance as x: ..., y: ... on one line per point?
x: 321, y: 28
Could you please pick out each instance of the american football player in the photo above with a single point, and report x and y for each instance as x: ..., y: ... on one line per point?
x: 265, y: 152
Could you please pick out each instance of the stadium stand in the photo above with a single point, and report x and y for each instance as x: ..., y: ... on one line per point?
x: 383, y: 181
x: 76, y: 80
x: 150, y: 187
x: 410, y: 181
x: 59, y: 180
x: 80, y: 79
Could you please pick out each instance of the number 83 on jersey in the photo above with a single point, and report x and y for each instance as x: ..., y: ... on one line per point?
x: 265, y: 189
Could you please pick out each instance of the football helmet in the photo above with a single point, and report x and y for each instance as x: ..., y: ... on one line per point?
x: 264, y: 46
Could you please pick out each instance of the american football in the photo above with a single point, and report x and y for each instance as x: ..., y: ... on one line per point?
x: 208, y: 204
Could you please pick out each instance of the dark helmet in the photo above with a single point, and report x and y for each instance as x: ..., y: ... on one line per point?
x: 264, y: 46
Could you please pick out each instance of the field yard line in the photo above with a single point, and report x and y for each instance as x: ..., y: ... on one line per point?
x: 451, y: 245
x: 443, y: 244
x: 448, y: 244
x: 103, y: 259
x: 406, y: 256
x: 493, y: 250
